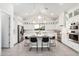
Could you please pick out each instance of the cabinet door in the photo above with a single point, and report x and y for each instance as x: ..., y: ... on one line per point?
x: 5, y: 24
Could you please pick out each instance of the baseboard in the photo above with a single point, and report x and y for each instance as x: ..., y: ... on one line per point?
x: 15, y: 44
x: 5, y: 47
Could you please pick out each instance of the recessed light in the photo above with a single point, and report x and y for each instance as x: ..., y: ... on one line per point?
x: 46, y: 8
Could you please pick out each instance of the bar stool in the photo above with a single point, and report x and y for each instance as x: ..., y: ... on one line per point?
x: 45, y: 40
x: 26, y: 43
x: 53, y: 38
x: 26, y: 37
x: 33, y: 40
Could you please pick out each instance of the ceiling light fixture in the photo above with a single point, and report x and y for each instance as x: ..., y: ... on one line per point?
x: 39, y: 17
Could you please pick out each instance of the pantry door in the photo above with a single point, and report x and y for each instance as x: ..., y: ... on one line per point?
x: 5, y: 24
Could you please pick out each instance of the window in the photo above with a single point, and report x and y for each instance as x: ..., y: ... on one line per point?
x: 39, y: 27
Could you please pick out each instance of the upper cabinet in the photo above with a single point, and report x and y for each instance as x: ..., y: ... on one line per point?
x: 73, y: 13
x: 76, y: 12
x: 70, y: 14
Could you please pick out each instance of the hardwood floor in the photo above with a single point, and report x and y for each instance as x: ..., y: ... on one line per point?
x: 21, y: 50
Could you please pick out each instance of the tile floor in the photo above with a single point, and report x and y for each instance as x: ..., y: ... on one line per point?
x: 23, y: 50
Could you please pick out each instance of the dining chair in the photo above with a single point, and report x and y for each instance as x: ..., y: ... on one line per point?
x: 33, y: 41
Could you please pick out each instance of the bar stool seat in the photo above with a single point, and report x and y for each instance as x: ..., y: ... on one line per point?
x: 33, y: 40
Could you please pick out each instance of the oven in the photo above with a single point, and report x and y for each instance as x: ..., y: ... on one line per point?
x: 74, y: 37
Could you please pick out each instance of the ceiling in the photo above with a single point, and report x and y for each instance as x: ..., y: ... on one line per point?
x: 25, y: 10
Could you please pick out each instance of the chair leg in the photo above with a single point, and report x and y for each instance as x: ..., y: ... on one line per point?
x: 37, y: 47
x: 42, y: 47
x: 30, y: 49
x: 49, y: 48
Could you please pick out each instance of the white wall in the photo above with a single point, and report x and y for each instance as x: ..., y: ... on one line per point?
x: 17, y: 21
x: 4, y: 8
x: 65, y: 37
x: 14, y: 21
x: 8, y: 8
x: 48, y: 27
x: 0, y: 33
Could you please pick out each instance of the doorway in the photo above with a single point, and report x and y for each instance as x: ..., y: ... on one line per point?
x: 20, y: 35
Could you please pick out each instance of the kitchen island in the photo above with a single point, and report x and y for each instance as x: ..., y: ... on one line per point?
x: 52, y: 40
